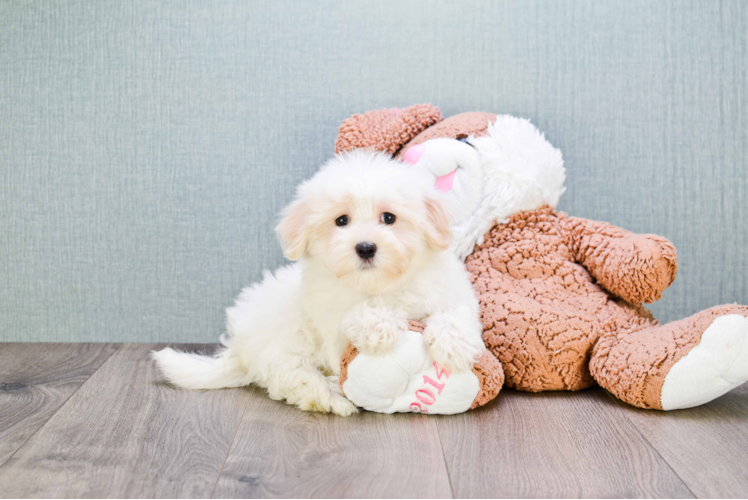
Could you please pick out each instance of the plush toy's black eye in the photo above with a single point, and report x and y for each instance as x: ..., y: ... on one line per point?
x: 465, y: 141
x: 388, y: 218
x: 341, y: 221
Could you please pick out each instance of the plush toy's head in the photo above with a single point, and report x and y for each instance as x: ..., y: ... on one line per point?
x: 488, y: 166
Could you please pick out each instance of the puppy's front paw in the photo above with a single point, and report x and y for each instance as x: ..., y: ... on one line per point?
x: 454, y: 355
x: 327, y: 398
x: 452, y: 351
x: 329, y: 403
x: 340, y: 405
x: 374, y: 329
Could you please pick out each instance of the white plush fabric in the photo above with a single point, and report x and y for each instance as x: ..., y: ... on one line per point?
x: 513, y: 168
x: 443, y: 156
x: 395, y: 382
x: 718, y: 364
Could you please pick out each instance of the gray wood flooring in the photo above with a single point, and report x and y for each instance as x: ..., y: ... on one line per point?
x: 96, y: 420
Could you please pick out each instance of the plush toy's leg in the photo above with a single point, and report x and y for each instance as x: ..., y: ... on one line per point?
x: 407, y: 379
x: 681, y: 364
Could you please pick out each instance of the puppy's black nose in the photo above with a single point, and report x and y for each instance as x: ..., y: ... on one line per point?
x: 366, y: 250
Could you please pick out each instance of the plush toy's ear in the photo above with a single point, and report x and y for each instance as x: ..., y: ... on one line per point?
x: 438, y: 234
x: 386, y: 129
x: 292, y: 230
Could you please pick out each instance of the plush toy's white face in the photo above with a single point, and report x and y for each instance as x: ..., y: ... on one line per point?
x: 457, y: 171
x: 487, y: 179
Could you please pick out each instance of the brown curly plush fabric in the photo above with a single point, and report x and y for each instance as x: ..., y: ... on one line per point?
x: 541, y: 310
x: 635, y: 267
x: 416, y: 326
x: 544, y: 281
x: 455, y: 127
x: 561, y: 297
x: 348, y: 355
x: 632, y: 363
x: 490, y: 377
x: 385, y: 129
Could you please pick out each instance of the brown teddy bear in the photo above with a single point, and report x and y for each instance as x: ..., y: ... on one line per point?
x: 561, y: 297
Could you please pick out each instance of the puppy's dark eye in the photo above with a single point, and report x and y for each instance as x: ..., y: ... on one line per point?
x: 341, y: 221
x: 388, y: 218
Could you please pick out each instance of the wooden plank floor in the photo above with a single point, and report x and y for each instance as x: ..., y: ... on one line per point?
x: 95, y: 420
x: 35, y: 381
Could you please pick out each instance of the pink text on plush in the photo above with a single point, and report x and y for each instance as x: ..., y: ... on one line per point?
x: 425, y: 395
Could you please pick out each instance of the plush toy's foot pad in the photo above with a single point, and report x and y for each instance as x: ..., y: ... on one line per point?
x: 406, y: 379
x: 716, y: 365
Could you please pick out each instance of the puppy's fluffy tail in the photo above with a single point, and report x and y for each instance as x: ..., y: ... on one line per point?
x: 194, y: 371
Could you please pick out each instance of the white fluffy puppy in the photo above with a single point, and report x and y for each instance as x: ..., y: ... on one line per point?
x: 369, y: 234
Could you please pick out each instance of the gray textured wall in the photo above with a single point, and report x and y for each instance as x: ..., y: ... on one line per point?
x: 146, y: 146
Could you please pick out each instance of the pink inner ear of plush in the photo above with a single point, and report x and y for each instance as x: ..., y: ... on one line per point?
x: 444, y: 183
x: 412, y: 155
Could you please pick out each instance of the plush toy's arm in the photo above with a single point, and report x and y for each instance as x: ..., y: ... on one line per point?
x: 635, y: 267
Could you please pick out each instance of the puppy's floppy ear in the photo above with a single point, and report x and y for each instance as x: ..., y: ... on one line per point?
x: 438, y: 233
x: 292, y: 230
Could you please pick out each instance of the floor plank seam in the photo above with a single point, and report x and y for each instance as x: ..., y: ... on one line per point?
x: 654, y: 448
x: 233, y: 439
x: 20, y: 447
x: 444, y: 459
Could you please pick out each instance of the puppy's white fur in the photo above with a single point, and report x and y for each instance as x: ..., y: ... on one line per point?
x: 288, y: 332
